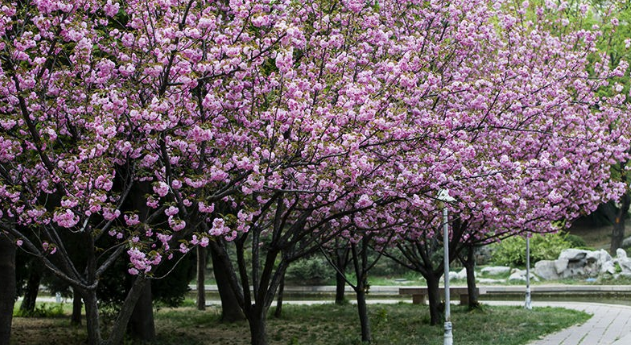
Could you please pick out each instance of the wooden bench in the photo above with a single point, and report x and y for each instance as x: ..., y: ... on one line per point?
x: 419, y: 294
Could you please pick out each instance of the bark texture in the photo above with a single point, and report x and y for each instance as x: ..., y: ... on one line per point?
x: 32, y: 286
x: 201, y: 278
x: 141, y: 324
x: 7, y: 288
x: 230, y: 309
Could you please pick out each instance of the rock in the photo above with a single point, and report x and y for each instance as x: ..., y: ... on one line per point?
x: 623, y: 261
x: 547, y: 269
x: 599, y: 256
x: 495, y: 270
x: 517, y: 276
x: 453, y: 275
x: 573, y: 254
x: 462, y: 274
x: 520, y: 275
x: 608, y: 267
x: 626, y: 242
x: 560, y: 265
x: 621, y: 254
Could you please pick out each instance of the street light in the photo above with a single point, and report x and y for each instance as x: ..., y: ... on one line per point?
x: 444, y: 197
x: 528, y: 304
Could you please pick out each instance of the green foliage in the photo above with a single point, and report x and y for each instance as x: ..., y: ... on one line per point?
x: 309, y: 271
x: 576, y: 241
x: 42, y: 310
x: 512, y: 251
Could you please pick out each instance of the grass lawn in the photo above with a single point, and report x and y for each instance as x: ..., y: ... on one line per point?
x: 328, y: 324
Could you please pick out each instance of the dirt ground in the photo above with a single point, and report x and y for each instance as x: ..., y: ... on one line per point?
x: 598, y: 237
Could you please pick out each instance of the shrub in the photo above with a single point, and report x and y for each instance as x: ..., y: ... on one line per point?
x: 576, y: 241
x: 309, y: 271
x: 512, y: 251
x: 42, y: 310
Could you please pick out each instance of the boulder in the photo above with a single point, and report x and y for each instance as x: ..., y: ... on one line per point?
x: 495, y: 270
x: 621, y: 254
x: 520, y: 275
x: 517, y: 276
x: 547, y: 269
x: 574, y: 254
x: 462, y: 274
x: 561, y: 265
x: 623, y: 261
x: 599, y: 256
x: 608, y: 267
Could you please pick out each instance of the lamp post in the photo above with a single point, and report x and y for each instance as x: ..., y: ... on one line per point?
x: 444, y: 197
x: 528, y: 304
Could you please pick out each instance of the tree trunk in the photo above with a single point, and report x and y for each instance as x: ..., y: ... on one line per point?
x: 92, y: 317
x: 32, y: 286
x: 77, y: 305
x: 258, y: 326
x: 230, y: 308
x: 469, y: 264
x: 201, y: 277
x: 278, y: 312
x: 362, y: 310
x: 617, y: 234
x: 118, y: 330
x: 433, y: 294
x: 341, y: 261
x: 340, y: 284
x: 7, y: 288
x: 141, y: 324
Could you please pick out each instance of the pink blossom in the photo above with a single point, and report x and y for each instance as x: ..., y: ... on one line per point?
x: 171, y: 211
x: 183, y: 248
x: 176, y: 224
x: 161, y: 188
x: 206, y: 209
x: 131, y: 220
x: 66, y: 219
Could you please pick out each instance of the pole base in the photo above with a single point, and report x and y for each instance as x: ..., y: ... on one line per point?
x: 448, y: 338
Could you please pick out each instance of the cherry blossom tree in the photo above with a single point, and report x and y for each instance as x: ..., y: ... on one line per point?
x: 536, y: 157
x: 147, y: 127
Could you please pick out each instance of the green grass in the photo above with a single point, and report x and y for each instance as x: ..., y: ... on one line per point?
x: 329, y: 324
x: 409, y: 324
x: 43, y: 309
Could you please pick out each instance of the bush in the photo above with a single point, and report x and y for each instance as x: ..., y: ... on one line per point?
x: 576, y: 242
x: 512, y: 251
x: 309, y: 271
x: 42, y: 310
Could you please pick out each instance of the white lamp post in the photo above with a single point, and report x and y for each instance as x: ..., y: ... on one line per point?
x: 444, y: 197
x: 528, y: 304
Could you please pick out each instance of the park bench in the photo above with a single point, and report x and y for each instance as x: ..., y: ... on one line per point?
x: 419, y: 294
